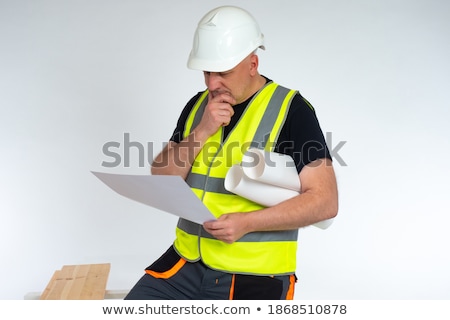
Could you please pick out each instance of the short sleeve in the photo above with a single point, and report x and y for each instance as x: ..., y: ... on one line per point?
x: 301, y: 135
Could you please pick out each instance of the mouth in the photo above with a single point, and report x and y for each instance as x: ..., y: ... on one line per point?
x: 215, y: 93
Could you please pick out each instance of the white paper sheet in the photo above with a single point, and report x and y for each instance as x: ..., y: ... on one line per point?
x: 167, y: 193
x: 267, y: 178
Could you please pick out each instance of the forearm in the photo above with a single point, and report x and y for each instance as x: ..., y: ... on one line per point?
x: 301, y: 211
x: 177, y: 158
x: 316, y: 202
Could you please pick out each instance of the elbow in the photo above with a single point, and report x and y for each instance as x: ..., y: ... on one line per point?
x: 332, y: 205
x: 331, y: 208
x: 160, y: 166
x: 158, y: 170
x: 333, y: 211
x: 153, y: 170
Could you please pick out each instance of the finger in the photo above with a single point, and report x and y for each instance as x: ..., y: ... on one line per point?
x: 224, y: 97
x: 227, y: 110
x: 211, y: 225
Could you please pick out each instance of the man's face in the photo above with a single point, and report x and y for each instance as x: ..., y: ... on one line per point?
x: 235, y: 82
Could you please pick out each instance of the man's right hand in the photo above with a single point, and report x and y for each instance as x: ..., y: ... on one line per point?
x: 218, y: 112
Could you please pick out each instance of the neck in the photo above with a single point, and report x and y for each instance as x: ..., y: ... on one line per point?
x: 257, y: 83
x: 260, y: 82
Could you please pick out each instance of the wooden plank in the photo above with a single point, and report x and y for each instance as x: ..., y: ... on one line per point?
x: 75, y: 278
x: 49, y: 290
x: 94, y: 287
x: 78, y: 282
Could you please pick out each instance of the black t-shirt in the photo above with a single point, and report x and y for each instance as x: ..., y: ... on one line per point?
x: 301, y: 136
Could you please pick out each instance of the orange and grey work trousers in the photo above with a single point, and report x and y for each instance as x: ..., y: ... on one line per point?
x: 173, y: 278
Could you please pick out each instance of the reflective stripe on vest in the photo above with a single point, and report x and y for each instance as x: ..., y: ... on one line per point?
x: 257, y: 252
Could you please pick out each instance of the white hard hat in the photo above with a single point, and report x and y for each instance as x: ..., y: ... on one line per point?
x: 223, y: 38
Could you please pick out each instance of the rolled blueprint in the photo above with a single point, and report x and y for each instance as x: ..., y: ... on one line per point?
x: 271, y: 168
x: 267, y: 178
x: 265, y: 194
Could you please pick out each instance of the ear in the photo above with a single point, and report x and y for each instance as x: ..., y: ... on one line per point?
x: 254, y: 62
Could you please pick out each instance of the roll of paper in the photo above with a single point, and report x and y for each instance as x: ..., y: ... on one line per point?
x: 323, y: 224
x: 266, y: 178
x: 265, y: 194
x: 271, y: 168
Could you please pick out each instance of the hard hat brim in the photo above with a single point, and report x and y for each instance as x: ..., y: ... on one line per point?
x: 196, y: 63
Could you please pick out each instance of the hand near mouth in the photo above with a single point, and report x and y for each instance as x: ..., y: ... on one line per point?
x: 218, y: 112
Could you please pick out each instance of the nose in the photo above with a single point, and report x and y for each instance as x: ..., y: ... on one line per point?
x: 212, y: 81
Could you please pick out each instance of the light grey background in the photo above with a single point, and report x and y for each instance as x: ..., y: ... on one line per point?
x: 75, y: 75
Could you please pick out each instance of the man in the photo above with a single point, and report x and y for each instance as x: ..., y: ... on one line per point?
x: 249, y: 252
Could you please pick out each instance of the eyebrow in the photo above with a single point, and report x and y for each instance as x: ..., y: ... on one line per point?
x: 220, y: 73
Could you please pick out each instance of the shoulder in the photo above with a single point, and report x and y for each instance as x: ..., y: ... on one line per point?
x: 188, y: 107
x: 193, y: 100
x: 298, y: 102
x: 300, y: 109
x: 177, y: 134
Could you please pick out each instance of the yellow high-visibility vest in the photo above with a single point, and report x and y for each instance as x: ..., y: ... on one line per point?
x: 260, y: 253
